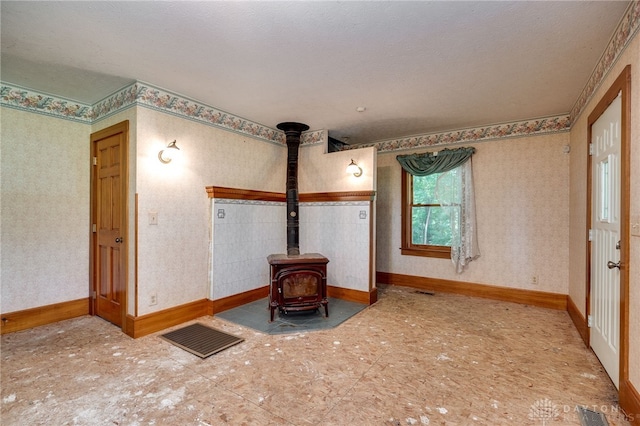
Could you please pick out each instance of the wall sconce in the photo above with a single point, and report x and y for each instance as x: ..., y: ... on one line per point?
x: 169, y: 153
x: 354, y: 168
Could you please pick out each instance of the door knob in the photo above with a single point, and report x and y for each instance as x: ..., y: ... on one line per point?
x: 612, y: 265
x: 119, y: 240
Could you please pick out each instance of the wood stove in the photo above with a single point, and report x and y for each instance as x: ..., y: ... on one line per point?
x: 298, y: 281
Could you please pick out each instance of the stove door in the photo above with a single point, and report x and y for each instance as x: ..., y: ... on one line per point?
x: 301, y: 286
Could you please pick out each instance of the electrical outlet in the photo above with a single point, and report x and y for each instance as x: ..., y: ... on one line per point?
x: 153, y: 300
x: 534, y: 280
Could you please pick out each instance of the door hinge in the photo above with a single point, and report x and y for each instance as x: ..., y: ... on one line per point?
x: 95, y: 161
x: 589, y: 321
x: 590, y: 234
x: 94, y: 228
x: 93, y: 294
x: 590, y: 149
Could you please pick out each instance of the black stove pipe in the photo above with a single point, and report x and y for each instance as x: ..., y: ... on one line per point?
x: 292, y: 132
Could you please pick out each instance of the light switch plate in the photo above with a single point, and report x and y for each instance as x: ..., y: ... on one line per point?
x: 153, y: 218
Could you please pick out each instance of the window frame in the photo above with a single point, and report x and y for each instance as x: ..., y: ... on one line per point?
x: 407, y: 247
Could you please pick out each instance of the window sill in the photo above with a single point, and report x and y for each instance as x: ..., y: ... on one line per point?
x: 437, y: 252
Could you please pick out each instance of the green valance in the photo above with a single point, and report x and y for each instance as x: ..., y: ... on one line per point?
x: 435, y: 162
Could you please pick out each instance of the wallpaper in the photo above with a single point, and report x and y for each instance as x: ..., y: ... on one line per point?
x: 44, y: 185
x: 174, y: 255
x: 522, y: 204
x: 318, y: 172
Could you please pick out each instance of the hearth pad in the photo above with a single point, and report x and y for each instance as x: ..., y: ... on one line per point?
x: 255, y: 316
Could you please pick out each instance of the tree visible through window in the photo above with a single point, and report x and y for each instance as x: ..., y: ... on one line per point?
x: 430, y: 221
x: 438, y: 206
x: 427, y: 223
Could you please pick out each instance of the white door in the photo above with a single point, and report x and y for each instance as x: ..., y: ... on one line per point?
x: 605, y: 246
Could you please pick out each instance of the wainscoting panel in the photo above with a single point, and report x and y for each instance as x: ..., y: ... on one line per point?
x: 339, y: 231
x: 244, y: 233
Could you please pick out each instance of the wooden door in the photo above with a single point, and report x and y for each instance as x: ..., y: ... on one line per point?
x: 109, y: 220
x: 606, y: 239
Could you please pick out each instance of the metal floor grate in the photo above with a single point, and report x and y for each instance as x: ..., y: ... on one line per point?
x: 591, y: 418
x: 201, y: 340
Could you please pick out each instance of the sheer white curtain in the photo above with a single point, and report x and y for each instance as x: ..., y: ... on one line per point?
x: 455, y: 190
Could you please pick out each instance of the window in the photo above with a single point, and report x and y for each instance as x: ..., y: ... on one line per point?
x: 426, y: 222
x: 438, y: 206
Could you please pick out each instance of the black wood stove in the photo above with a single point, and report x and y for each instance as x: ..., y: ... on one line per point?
x: 298, y: 281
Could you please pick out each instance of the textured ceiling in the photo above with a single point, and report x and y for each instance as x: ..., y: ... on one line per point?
x: 417, y: 67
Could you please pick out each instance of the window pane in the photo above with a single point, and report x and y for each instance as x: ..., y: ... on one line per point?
x: 430, y: 226
x: 603, y: 168
x: 424, y: 189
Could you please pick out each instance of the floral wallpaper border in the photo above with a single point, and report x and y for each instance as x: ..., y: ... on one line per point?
x: 17, y: 97
x: 162, y: 100
x: 622, y: 36
x: 477, y: 134
x: 144, y: 94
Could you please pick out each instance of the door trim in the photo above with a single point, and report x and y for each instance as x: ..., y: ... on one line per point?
x: 122, y: 127
x: 621, y: 84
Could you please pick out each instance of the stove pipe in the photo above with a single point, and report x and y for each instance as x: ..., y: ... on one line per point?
x: 292, y: 132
